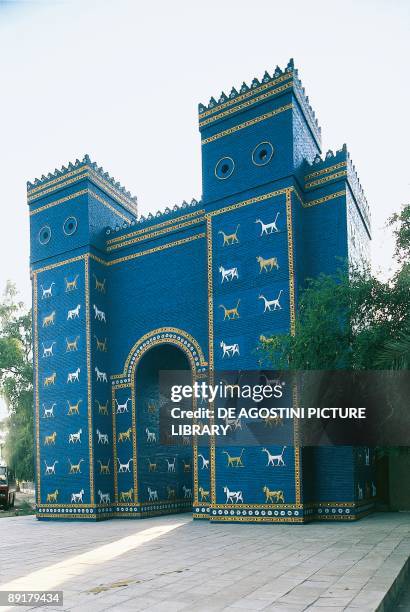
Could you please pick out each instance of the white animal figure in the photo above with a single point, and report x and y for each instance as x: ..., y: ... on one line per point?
x: 75, y: 437
x: 74, y: 376
x: 367, y: 456
x: 152, y: 494
x: 47, y: 292
x: 273, y: 458
x: 50, y: 469
x: 374, y: 490
x: 229, y: 274
x: 187, y: 492
x: 104, y: 497
x: 74, y: 313
x: 48, y: 350
x: 48, y: 412
x: 99, y: 314
x: 205, y: 462
x: 171, y: 464
x: 101, y: 376
x: 102, y: 437
x: 121, y: 408
x: 229, y: 349
x: 359, y: 491
x: 269, y: 303
x: 268, y: 228
x: 233, y: 497
x: 124, y: 467
x: 233, y: 424
x: 151, y: 435
x: 77, y: 498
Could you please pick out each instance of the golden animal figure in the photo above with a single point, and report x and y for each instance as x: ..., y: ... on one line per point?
x: 204, y: 494
x: 273, y: 496
x: 72, y: 345
x: 234, y: 461
x: 266, y: 340
x: 102, y: 408
x: 151, y: 407
x: 125, y: 435
x: 171, y: 492
x: 230, y: 238
x: 50, y: 380
x: 273, y: 421
x: 101, y: 344
x: 75, y: 468
x: 49, y: 319
x: 52, y: 497
x: 267, y: 264
x: 104, y: 467
x: 99, y: 285
x: 152, y: 467
x: 74, y: 408
x: 187, y: 466
x: 231, y: 313
x: 51, y: 439
x: 71, y: 285
x: 126, y: 495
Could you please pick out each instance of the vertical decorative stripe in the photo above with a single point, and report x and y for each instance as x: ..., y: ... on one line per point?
x: 292, y: 314
x: 291, y: 261
x: 89, y: 373
x: 134, y: 438
x: 36, y: 388
x: 211, y: 347
x: 114, y: 443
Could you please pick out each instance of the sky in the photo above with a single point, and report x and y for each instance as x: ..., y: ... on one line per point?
x: 121, y: 81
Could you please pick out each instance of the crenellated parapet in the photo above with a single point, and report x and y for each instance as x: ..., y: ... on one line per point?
x: 73, y: 173
x: 178, y: 217
x: 333, y: 167
x: 258, y: 92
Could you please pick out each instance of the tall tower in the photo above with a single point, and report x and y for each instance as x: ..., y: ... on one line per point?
x: 68, y: 213
x: 277, y: 214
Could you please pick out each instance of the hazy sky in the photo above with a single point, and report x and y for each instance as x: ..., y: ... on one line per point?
x: 121, y: 80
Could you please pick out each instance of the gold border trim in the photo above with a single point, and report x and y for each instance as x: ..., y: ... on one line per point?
x: 246, y: 124
x: 248, y: 94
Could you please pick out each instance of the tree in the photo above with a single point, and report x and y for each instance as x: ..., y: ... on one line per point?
x: 16, y: 382
x: 351, y: 320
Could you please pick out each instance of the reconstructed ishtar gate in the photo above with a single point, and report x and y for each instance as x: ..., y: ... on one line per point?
x: 117, y: 297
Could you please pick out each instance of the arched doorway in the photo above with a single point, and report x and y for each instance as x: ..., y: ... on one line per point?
x: 165, y: 467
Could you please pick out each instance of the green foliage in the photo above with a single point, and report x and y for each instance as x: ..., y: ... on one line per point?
x: 352, y: 320
x: 16, y: 382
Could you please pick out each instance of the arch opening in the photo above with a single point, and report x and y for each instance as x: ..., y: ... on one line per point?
x: 165, y: 469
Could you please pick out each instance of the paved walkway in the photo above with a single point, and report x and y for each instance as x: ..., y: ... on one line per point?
x: 174, y: 563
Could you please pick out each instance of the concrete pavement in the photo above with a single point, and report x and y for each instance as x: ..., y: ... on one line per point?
x: 173, y: 563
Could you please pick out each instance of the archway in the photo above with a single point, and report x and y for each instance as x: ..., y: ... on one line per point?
x: 165, y: 468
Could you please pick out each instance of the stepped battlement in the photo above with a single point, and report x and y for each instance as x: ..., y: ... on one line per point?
x: 332, y: 166
x: 75, y: 172
x: 281, y: 81
x: 152, y: 220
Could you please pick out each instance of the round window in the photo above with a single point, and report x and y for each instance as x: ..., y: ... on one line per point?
x: 224, y: 168
x: 70, y: 226
x: 44, y: 235
x: 262, y: 153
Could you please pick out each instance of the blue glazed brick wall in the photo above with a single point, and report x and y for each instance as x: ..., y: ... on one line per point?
x: 166, y: 272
